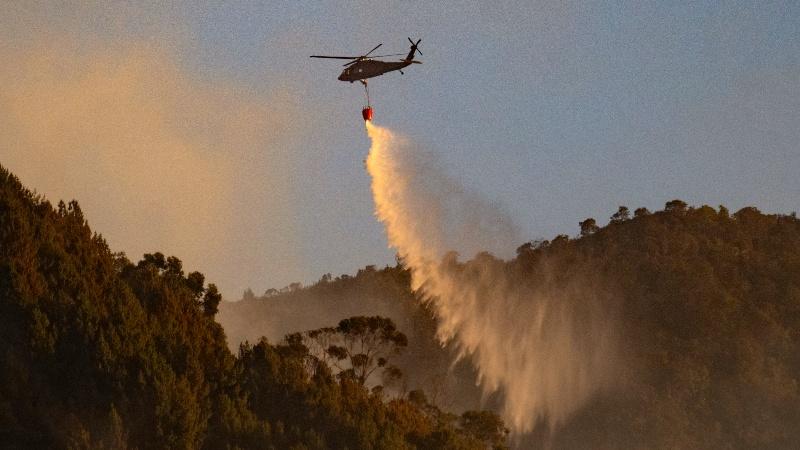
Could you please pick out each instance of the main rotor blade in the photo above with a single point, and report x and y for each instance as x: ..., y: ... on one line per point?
x: 376, y: 47
x: 364, y: 58
x: 335, y: 57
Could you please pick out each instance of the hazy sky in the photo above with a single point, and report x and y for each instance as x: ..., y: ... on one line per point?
x: 205, y: 131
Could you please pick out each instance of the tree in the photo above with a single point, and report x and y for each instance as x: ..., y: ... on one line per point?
x: 559, y: 240
x: 248, y: 295
x: 588, y: 226
x: 525, y: 249
x: 748, y: 213
x: 195, y: 282
x: 211, y: 300
x: 487, y: 427
x: 156, y: 260
x: 359, y: 346
x: 174, y: 266
x: 641, y: 212
x: 676, y: 205
x: 621, y: 215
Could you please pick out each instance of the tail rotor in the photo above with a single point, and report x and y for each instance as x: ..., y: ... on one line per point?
x: 414, y: 49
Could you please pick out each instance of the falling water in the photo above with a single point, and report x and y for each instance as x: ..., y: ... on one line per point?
x: 547, y: 348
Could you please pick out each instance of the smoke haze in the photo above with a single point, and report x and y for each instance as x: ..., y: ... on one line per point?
x: 159, y: 158
x: 547, y: 348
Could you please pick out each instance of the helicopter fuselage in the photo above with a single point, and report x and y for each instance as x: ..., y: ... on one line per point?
x: 368, y: 68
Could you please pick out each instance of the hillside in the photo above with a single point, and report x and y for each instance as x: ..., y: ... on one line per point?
x: 425, y: 363
x: 101, y: 352
x: 708, y: 304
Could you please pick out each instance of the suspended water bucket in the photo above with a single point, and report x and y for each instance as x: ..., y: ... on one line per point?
x: 366, y: 113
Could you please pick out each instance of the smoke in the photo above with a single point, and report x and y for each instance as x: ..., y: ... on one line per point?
x: 547, y: 348
x: 160, y: 158
x: 424, y: 363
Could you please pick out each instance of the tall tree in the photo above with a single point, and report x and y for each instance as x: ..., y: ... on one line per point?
x: 359, y: 346
x: 588, y: 226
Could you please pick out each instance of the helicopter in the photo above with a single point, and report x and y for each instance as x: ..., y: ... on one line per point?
x: 362, y: 67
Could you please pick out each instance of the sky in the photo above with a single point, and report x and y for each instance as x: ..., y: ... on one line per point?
x: 203, y: 130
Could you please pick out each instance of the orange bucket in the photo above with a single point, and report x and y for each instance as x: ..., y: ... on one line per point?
x: 366, y: 113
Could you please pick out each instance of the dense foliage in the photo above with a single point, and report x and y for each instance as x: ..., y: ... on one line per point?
x: 424, y: 363
x: 99, y: 352
x: 710, y: 307
x: 708, y: 303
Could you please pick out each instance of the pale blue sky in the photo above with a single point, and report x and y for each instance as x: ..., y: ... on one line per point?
x: 557, y: 110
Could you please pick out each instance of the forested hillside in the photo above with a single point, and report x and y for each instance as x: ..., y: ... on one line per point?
x: 425, y: 364
x: 97, y: 351
x: 708, y: 304
x: 710, y: 309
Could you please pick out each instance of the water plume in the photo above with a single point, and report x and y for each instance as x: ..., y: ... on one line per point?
x: 546, y: 347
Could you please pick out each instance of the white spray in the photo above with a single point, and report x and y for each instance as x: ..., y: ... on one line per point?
x: 547, y: 350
